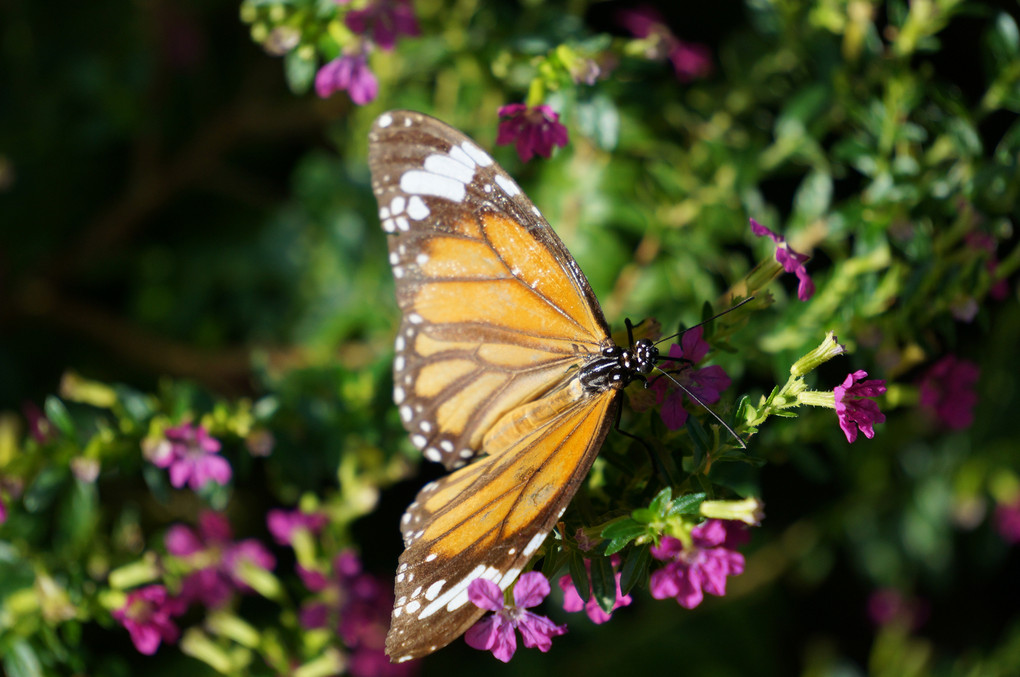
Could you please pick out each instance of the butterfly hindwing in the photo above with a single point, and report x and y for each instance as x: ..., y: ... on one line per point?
x: 495, y: 309
x: 486, y: 520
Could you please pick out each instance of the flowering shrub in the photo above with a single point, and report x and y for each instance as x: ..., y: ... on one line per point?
x: 201, y: 467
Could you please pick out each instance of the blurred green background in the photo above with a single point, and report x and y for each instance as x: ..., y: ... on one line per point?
x: 174, y: 218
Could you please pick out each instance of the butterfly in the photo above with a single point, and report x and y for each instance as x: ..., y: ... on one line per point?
x: 504, y: 371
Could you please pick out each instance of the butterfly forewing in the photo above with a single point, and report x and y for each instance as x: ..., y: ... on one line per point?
x: 497, y: 324
x: 495, y: 310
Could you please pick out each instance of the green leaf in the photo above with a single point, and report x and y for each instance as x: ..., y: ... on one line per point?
x: 635, y: 567
x: 626, y: 527
x: 1003, y: 41
x: 58, y: 415
x: 687, y: 504
x: 699, y: 438
x: 813, y: 197
x: 45, y: 488
x: 300, y: 71
x: 20, y: 660
x: 599, y: 120
x: 579, y: 575
x: 603, y: 583
x: 644, y: 515
x: 661, y: 501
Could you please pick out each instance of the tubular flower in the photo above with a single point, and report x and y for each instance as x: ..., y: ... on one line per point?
x: 495, y: 632
x: 706, y: 383
x: 532, y: 130
x: 572, y: 600
x: 854, y: 409
x: 791, y: 261
x: 700, y: 567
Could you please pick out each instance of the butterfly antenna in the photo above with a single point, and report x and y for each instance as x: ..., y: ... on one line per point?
x: 704, y: 322
x: 697, y: 399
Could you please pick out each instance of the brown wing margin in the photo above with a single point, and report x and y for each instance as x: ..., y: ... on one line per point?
x: 486, y: 521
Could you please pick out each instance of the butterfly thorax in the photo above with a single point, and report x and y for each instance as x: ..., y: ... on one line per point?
x: 616, y: 367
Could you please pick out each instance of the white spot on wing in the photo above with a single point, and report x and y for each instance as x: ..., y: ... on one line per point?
x: 385, y: 120
x: 413, y: 606
x: 508, y: 578
x: 533, y: 544
x: 416, y: 208
x: 434, y: 590
x: 507, y: 185
x: 418, y: 182
x: 455, y: 597
x: 477, y: 154
x: 432, y: 454
x: 447, y: 166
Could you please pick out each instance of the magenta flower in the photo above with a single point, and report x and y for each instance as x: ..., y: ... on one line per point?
x: 217, y: 559
x: 283, y: 523
x: 356, y: 606
x: 3, y: 510
x: 495, y: 632
x: 690, y: 60
x: 791, y: 261
x: 146, y: 615
x: 38, y: 425
x: 351, y: 73
x: 192, y: 457
x: 947, y: 391
x: 706, y: 383
x: 987, y: 243
x: 572, y: 600
x: 1007, y: 521
x: 533, y: 130
x: 386, y: 20
x: 853, y: 408
x: 702, y: 567
x: 888, y: 605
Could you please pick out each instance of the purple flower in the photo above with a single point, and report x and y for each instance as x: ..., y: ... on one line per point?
x: 495, y: 632
x: 701, y: 567
x: 572, y: 600
x: 987, y: 243
x: 947, y: 391
x: 218, y: 561
x: 192, y: 456
x: 706, y: 383
x: 1007, y: 521
x: 888, y: 605
x: 146, y: 615
x: 356, y: 606
x: 690, y: 60
x: 282, y: 523
x: 351, y: 73
x: 853, y: 408
x: 385, y: 19
x: 3, y: 510
x: 791, y: 261
x: 532, y: 130
x: 38, y: 425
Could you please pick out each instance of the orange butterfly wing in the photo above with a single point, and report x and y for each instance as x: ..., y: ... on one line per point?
x: 498, y: 321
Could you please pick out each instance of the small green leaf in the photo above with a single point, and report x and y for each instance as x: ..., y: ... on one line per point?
x: 626, y: 527
x: 579, y: 575
x: 699, y: 438
x: 45, y: 488
x: 300, y: 71
x: 603, y: 583
x: 58, y: 415
x: 20, y: 660
x: 635, y: 567
x: 644, y: 515
x: 661, y: 501
x: 687, y: 504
